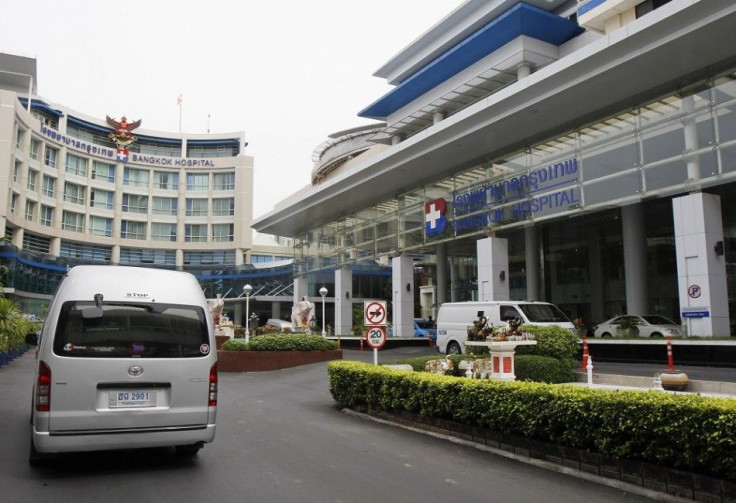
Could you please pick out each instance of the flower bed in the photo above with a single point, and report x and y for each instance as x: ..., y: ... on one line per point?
x: 255, y: 361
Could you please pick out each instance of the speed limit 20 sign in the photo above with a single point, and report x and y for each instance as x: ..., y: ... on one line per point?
x: 376, y: 337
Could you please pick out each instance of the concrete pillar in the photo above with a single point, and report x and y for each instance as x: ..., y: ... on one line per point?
x: 454, y: 281
x: 276, y: 310
x: 343, y: 301
x: 635, y: 259
x: 239, y: 312
x: 402, y: 277
x: 437, y: 117
x: 441, y: 274
x: 493, y: 269
x: 300, y: 288
x: 701, y: 270
x: 531, y: 263
x: 17, y: 238
x: 114, y: 255
x: 524, y: 70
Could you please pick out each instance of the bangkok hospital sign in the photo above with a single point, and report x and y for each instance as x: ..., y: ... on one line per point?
x: 540, y: 191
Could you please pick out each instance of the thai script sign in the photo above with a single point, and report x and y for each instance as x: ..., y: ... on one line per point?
x: 540, y: 191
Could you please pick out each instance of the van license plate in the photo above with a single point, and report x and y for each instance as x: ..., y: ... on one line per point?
x: 132, y: 399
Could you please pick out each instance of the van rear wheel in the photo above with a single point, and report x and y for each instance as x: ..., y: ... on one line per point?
x: 453, y: 348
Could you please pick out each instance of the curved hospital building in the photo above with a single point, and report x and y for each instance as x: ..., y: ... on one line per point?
x: 78, y: 189
x: 577, y: 152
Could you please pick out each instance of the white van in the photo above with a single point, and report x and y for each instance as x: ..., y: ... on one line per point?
x: 454, y: 318
x: 126, y: 360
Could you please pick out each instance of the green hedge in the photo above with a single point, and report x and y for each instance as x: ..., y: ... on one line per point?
x: 682, y: 431
x: 281, y: 342
x: 552, y: 341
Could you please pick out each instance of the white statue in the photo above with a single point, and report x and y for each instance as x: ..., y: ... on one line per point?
x: 302, y: 313
x: 216, y: 306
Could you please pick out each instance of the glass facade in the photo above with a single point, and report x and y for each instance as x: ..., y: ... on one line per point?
x: 571, y: 188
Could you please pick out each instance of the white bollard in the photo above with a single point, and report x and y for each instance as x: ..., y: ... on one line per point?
x: 589, y: 367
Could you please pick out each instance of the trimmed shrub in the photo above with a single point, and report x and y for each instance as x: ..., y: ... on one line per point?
x: 542, y: 369
x: 281, y: 342
x: 552, y: 341
x: 680, y: 431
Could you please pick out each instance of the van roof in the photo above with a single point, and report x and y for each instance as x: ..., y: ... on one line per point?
x: 123, y: 283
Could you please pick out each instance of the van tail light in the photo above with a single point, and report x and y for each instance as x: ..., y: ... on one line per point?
x: 43, y: 388
x: 213, y: 386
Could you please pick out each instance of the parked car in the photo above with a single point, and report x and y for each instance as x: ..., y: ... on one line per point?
x: 425, y: 328
x: 648, y: 325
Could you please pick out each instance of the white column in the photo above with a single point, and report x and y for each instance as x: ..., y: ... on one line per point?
x: 402, y: 276
x: 701, y: 271
x: 635, y: 259
x: 343, y: 301
x: 300, y: 290
x: 531, y: 261
x: 493, y: 269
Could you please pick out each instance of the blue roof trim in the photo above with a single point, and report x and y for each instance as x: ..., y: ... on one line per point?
x: 159, y: 141
x: 43, y: 107
x: 87, y: 125
x: 522, y: 19
x: 214, y: 143
x: 33, y: 263
x: 589, y: 5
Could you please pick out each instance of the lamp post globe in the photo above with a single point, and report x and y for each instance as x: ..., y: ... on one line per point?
x: 246, y: 290
x: 323, y: 293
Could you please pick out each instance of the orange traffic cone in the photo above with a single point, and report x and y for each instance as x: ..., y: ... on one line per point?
x: 586, y: 354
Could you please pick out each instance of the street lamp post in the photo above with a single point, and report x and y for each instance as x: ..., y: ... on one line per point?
x: 247, y: 289
x: 323, y: 293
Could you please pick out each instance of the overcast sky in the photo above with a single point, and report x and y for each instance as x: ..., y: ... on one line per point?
x: 287, y: 72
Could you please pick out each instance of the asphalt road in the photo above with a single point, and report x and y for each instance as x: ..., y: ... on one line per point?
x: 279, y: 438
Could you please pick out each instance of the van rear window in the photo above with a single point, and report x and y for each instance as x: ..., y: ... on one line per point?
x: 131, y: 330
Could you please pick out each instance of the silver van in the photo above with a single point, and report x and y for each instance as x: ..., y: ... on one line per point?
x: 126, y: 359
x: 454, y: 318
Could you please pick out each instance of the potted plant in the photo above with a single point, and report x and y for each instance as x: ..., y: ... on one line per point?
x: 628, y: 327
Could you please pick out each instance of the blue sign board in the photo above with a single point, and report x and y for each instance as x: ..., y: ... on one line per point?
x: 695, y: 314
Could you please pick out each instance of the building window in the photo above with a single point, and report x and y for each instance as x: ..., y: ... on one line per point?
x: 49, y: 186
x: 30, y: 210
x: 133, y: 230
x: 198, y: 181
x: 36, y: 243
x: 195, y: 233
x: 209, y: 257
x: 35, y: 148
x: 13, y: 202
x: 222, y: 232
x: 32, y: 176
x: 143, y: 256
x: 166, y: 181
x: 197, y: 207
x: 100, y: 226
x: 164, y: 205
x: 163, y: 232
x: 224, y: 181
x: 133, y: 203
x: 50, y: 157
x: 101, y: 199
x: 71, y: 221
x: 76, y: 165
x: 135, y: 177
x: 19, y: 133
x: 103, y: 172
x: 223, y: 207
x: 47, y: 215
x: 16, y: 170
x: 73, y: 193
x: 85, y: 251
